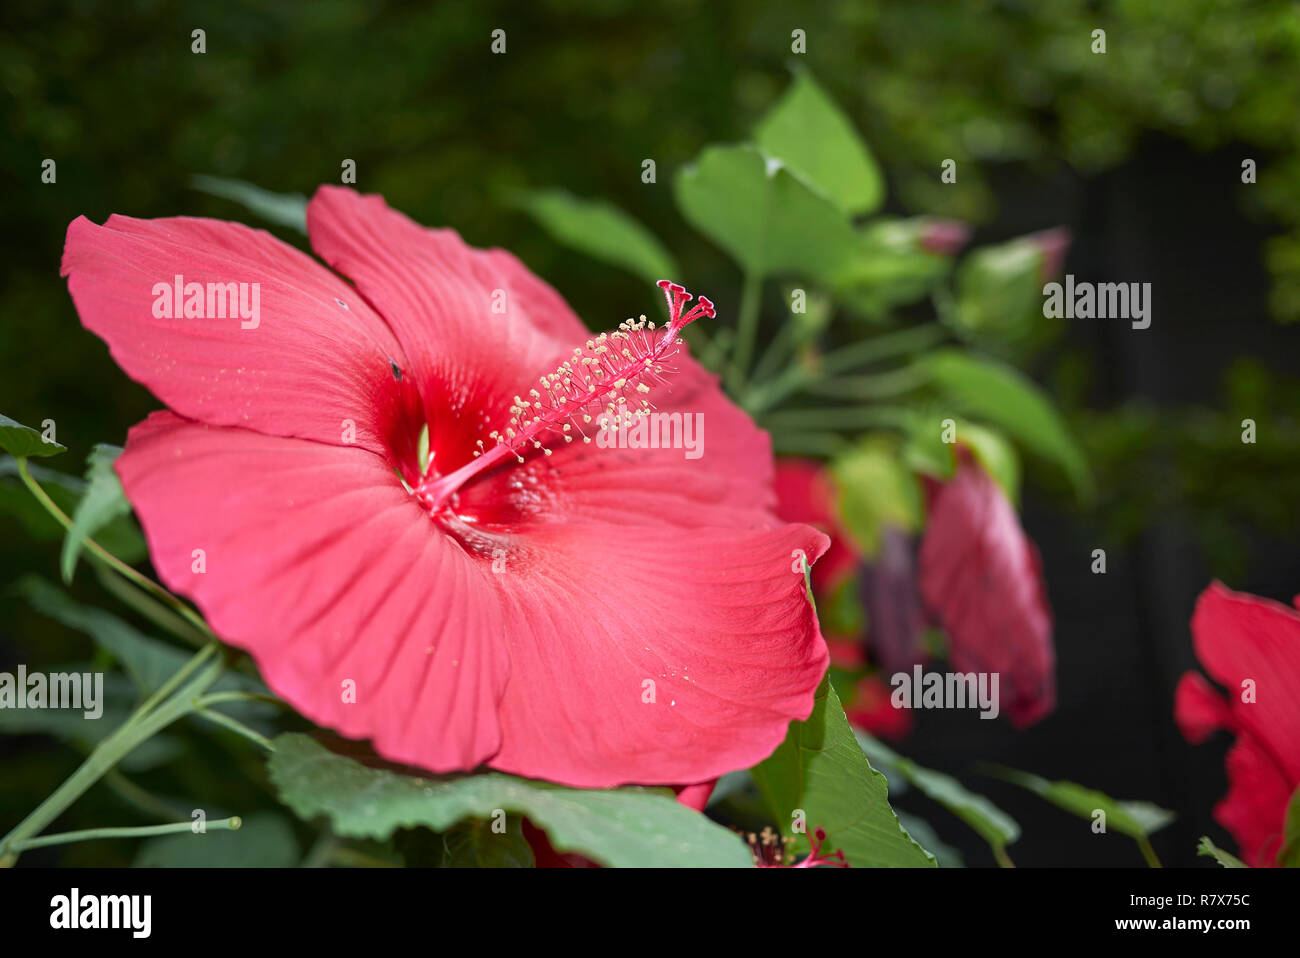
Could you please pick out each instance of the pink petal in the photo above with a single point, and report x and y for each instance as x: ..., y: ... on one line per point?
x: 308, y: 367
x: 1254, y: 809
x: 321, y: 565
x: 1199, y: 709
x: 1240, y: 637
x: 439, y: 296
x: 717, y: 619
x: 981, y: 577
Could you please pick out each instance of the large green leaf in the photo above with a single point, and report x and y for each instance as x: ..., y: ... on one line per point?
x: 768, y: 219
x: 102, y: 503
x: 991, y: 823
x: 1135, y: 819
x: 1009, y: 400
x: 24, y: 442
x: 603, y: 232
x: 821, y: 770
x: 620, y: 827
x: 809, y: 133
x: 283, y: 209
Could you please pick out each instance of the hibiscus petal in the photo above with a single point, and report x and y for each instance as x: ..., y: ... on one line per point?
x: 1240, y: 638
x: 1198, y: 709
x: 717, y: 619
x: 308, y: 367
x: 476, y: 325
x: 982, y: 578
x: 326, y: 570
x: 1254, y: 809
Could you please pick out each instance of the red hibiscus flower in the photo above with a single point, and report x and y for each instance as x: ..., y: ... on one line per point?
x: 545, y: 606
x: 1250, y: 646
x: 982, y: 580
x: 806, y: 494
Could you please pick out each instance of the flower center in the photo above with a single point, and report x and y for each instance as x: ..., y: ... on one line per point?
x: 612, y: 367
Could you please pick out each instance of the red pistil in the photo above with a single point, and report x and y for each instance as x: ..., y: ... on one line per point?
x: 611, y: 366
x: 770, y: 850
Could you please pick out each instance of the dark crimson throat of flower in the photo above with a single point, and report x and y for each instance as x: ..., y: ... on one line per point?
x: 610, y: 369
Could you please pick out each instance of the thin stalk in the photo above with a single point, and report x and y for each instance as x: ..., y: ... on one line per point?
x: 1148, y: 852
x: 107, y: 558
x: 234, y: 725
x: 746, y: 331
x: 143, y: 831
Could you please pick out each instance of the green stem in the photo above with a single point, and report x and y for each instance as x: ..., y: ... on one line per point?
x: 878, y: 386
x: 107, y: 558
x: 746, y: 332
x: 151, y: 608
x: 144, y: 831
x: 1148, y: 852
x: 133, y: 794
x: 218, y: 697
x: 144, y: 723
x: 239, y: 728
x: 1003, y: 859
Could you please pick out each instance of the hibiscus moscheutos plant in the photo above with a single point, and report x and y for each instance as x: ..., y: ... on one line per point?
x: 522, y: 575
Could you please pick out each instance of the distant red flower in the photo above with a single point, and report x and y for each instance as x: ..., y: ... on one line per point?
x: 982, y: 580
x: 1250, y: 646
x: 872, y: 710
x: 505, y: 605
x: 805, y: 493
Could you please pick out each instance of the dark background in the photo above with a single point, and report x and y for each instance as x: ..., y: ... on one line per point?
x: 1138, y: 152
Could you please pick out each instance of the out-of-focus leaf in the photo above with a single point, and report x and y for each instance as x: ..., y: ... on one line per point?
x: 121, y: 536
x: 102, y: 502
x: 1289, y: 855
x: 1006, y: 398
x: 283, y: 209
x: 821, y: 769
x: 991, y: 823
x: 24, y: 442
x: 1135, y: 819
x: 996, y: 455
x: 621, y: 827
x: 809, y: 133
x: 767, y: 218
x: 924, y: 833
x: 603, y: 232
x: 874, y: 488
x: 888, y: 268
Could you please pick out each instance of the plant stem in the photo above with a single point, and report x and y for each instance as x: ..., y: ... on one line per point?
x: 1148, y: 852
x: 1003, y: 859
x: 746, y: 332
x: 239, y: 728
x: 106, y: 557
x: 144, y: 831
x: 144, y: 723
x: 151, y: 608
x: 133, y: 794
x: 843, y: 417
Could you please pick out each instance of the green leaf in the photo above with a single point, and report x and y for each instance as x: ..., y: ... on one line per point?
x: 23, y: 442
x: 888, y: 268
x: 1132, y: 818
x: 620, y: 827
x: 603, y: 232
x: 821, y: 770
x: 944, y: 854
x: 996, y: 455
x: 102, y: 502
x: 1289, y: 855
x: 283, y: 209
x: 1006, y: 398
x: 1211, y: 850
x: 766, y: 218
x: 999, y: 292
x: 991, y: 823
x: 264, y: 840
x: 875, y: 489
x: 810, y: 134
x: 474, y: 844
